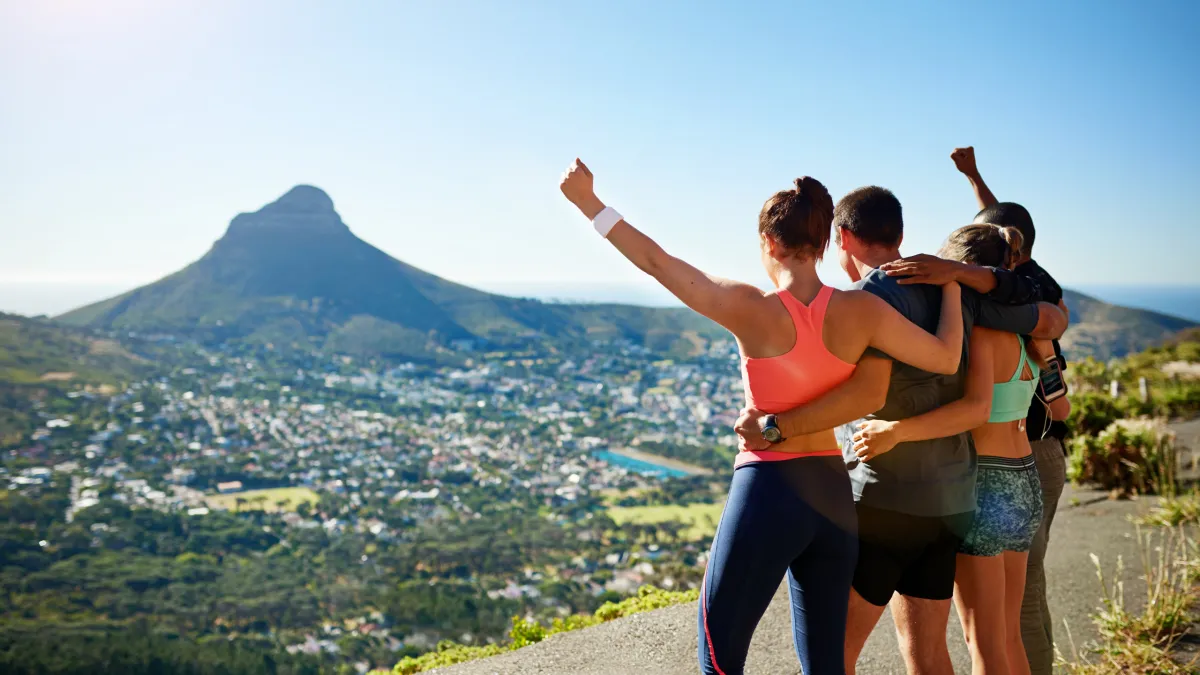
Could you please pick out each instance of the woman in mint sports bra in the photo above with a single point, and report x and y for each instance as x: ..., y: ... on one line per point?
x: 790, y: 511
x: 1002, y: 379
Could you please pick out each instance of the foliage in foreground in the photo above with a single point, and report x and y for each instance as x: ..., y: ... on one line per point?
x: 526, y: 632
x: 1142, y: 643
x: 1125, y: 459
x: 1175, y: 511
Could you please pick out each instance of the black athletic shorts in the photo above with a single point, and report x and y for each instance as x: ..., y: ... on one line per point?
x: 909, y: 555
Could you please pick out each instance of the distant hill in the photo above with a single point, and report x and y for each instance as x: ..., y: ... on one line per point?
x: 293, y: 273
x: 38, y: 356
x: 1102, y: 330
x: 37, y: 351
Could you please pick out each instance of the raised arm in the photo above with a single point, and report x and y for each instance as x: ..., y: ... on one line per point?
x: 861, y: 395
x: 875, y: 437
x: 964, y: 160
x: 903, y: 340
x: 734, y: 305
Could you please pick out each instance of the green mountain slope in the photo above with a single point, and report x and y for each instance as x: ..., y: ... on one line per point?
x: 292, y: 273
x: 1103, y: 331
x: 38, y: 358
x: 35, y: 351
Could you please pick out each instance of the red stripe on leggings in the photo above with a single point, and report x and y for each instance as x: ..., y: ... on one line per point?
x: 712, y: 655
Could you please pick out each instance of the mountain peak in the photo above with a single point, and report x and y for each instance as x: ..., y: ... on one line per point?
x: 304, y: 208
x: 304, y: 199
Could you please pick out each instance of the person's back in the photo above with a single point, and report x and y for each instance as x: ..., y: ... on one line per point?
x: 924, y: 478
x: 807, y: 370
x: 1016, y: 371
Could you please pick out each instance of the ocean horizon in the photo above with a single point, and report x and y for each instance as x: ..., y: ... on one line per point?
x: 54, y: 298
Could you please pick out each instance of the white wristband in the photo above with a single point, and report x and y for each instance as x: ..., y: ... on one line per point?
x: 606, y: 220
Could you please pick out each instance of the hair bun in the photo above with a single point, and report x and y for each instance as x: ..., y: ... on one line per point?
x: 816, y: 194
x: 810, y: 185
x: 1014, y: 238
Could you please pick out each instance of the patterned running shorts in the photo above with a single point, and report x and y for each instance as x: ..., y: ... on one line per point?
x: 1008, y: 507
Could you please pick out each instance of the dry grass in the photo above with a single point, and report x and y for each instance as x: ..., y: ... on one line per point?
x: 1143, y: 643
x: 1175, y: 511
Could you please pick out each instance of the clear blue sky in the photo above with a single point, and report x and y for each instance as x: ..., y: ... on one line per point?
x: 131, y: 132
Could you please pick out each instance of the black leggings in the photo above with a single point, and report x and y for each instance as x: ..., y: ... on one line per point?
x: 795, y: 517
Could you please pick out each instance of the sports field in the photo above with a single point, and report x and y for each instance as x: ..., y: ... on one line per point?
x: 701, y: 518
x: 293, y: 496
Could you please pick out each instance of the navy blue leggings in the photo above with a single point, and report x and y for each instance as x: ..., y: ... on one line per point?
x: 795, y: 516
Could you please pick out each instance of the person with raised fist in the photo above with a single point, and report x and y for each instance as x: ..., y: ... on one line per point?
x: 1045, y: 426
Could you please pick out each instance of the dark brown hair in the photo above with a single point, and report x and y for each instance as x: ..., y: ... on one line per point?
x: 872, y: 214
x: 800, y: 218
x: 983, y: 244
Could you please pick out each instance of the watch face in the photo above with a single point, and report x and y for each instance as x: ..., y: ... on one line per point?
x: 771, y: 434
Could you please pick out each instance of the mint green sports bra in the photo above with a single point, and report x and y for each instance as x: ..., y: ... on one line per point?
x: 1010, y: 400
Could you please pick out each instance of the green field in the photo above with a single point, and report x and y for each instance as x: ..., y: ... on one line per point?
x: 701, y: 518
x: 292, y: 495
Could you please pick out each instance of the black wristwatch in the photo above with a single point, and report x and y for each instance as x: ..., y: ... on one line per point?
x: 770, y: 430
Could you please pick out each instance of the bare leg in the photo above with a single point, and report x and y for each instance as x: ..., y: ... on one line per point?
x: 921, y: 629
x: 1015, y: 565
x: 861, y: 618
x: 981, y: 598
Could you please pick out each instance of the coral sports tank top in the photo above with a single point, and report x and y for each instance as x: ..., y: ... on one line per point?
x: 780, y: 383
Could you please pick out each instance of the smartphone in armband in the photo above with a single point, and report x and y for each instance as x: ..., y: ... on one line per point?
x: 1053, y: 385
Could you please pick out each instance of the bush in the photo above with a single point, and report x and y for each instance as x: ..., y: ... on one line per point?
x: 526, y: 632
x: 1128, y: 460
x: 1092, y: 413
x: 447, y: 654
x: 1176, y: 400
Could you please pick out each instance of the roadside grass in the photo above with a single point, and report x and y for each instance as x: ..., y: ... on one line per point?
x: 1175, y: 511
x: 699, y: 519
x: 525, y: 632
x: 1129, y: 457
x: 272, y: 499
x: 1142, y: 643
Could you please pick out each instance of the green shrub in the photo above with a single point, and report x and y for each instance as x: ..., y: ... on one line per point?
x: 648, y: 598
x: 1181, y: 399
x: 1131, y: 461
x: 573, y: 622
x: 526, y: 632
x: 1092, y: 413
x: 447, y: 654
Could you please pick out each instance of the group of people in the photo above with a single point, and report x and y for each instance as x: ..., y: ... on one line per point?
x: 944, y: 482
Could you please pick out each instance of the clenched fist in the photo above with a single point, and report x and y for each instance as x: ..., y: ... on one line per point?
x: 579, y: 187
x: 964, y: 160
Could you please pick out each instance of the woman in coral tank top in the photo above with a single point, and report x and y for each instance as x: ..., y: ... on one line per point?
x: 789, y: 509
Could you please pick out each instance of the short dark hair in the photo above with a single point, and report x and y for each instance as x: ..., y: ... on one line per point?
x: 799, y: 218
x: 1010, y: 214
x: 872, y: 214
